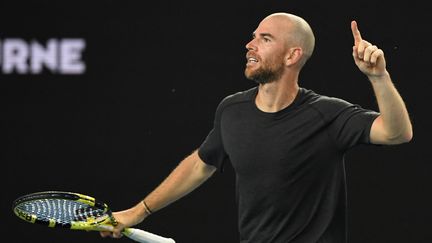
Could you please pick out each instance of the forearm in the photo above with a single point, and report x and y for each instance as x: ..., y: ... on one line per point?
x: 394, y: 115
x: 187, y: 176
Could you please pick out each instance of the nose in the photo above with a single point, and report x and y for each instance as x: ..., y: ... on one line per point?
x: 251, y: 45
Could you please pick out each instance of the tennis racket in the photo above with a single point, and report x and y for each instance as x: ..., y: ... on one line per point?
x: 75, y: 211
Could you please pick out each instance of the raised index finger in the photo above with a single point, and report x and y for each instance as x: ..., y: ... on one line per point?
x: 355, y: 32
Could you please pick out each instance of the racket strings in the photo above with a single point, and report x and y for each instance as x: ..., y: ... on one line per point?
x: 62, y: 211
x: 84, y: 213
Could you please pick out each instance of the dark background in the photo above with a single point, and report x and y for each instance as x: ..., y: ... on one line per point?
x: 155, y: 74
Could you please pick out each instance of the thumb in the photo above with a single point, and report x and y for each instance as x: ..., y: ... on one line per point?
x: 117, y: 231
x: 117, y: 234
x: 105, y: 234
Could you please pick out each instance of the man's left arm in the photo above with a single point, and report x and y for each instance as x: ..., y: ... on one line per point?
x: 393, y: 125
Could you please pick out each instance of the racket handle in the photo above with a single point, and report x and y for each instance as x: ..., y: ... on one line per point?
x: 145, y: 236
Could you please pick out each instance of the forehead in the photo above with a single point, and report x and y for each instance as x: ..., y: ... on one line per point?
x: 275, y: 26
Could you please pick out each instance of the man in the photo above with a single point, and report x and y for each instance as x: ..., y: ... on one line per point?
x: 286, y: 143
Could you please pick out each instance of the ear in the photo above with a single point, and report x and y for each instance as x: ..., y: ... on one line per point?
x: 293, y: 56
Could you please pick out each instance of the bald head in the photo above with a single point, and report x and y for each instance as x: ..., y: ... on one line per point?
x: 296, y: 30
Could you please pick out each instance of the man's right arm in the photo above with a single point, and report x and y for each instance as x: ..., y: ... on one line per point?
x: 187, y: 176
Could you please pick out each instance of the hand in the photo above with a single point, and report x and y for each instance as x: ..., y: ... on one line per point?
x: 126, y: 218
x: 368, y: 58
x: 117, y: 230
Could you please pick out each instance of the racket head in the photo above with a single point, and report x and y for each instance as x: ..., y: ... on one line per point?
x: 61, y: 209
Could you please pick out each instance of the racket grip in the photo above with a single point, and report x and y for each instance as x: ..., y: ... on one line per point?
x: 145, y: 236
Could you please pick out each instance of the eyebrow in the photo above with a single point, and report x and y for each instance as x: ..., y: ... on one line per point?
x: 264, y: 35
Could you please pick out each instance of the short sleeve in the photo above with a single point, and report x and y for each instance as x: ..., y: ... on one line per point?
x: 350, y: 124
x: 212, y: 151
x: 353, y: 126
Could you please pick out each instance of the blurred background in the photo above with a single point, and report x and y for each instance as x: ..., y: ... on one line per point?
x: 105, y: 98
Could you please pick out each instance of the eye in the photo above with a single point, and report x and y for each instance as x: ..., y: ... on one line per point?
x: 266, y: 39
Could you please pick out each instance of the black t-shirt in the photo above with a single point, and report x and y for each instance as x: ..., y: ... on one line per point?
x: 289, y: 165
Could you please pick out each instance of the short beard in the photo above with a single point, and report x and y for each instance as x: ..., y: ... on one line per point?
x: 264, y: 76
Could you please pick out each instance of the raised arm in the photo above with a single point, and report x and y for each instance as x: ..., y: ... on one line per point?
x: 393, y: 126
x: 186, y: 177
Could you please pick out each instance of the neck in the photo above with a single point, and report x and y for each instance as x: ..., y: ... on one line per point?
x: 275, y: 96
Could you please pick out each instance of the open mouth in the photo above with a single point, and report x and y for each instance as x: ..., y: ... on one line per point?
x: 251, y: 60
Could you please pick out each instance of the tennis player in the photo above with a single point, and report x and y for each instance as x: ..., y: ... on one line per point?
x: 286, y: 143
